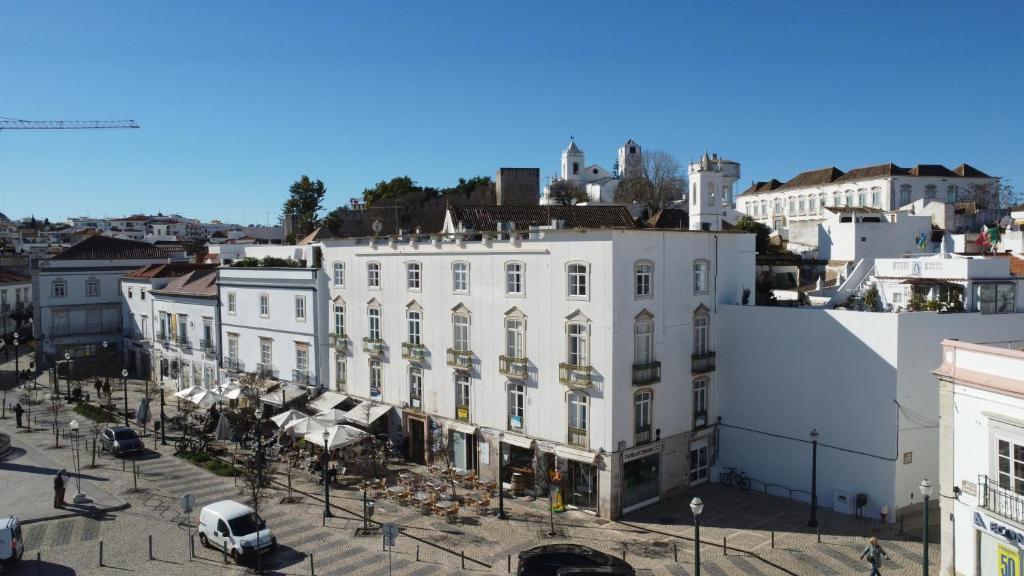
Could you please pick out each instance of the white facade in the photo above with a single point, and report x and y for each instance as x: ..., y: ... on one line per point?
x: 981, y: 490
x: 711, y: 186
x: 15, y: 296
x: 185, y: 338
x: 598, y: 182
x: 978, y: 284
x: 852, y: 235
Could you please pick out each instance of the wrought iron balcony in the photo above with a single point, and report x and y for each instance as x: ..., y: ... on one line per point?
x: 373, y: 346
x: 416, y: 401
x: 642, y: 435
x: 514, y: 367
x: 161, y: 337
x: 207, y: 346
x: 702, y: 363
x: 234, y: 364
x: 579, y: 377
x: 462, y: 412
x: 1000, y: 500
x: 301, y: 376
x: 461, y: 359
x: 266, y: 370
x: 646, y: 373
x: 181, y: 341
x: 578, y: 437
x: 414, y: 352
x: 339, y: 342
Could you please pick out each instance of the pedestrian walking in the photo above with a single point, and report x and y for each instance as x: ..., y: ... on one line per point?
x: 18, y: 411
x: 98, y: 386
x: 874, y: 553
x: 59, y: 481
x: 106, y: 388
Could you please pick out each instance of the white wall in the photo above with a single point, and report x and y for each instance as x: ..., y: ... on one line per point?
x: 851, y: 241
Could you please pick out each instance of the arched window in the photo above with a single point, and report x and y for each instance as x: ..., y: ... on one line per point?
x: 849, y: 198
x: 578, y: 344
x: 516, y: 406
x: 92, y: 287
x: 643, y: 338
x: 812, y: 204
x: 578, y: 418
x: 701, y: 326
x: 862, y: 197
x: 764, y: 208
x: 700, y: 276
x: 460, y: 277
x: 930, y: 190
x: 514, y: 278
x: 642, y: 403
x: 644, y: 276
x: 339, y: 274
x: 373, y: 318
x: 578, y: 278
x: 413, y: 273
x: 700, y: 402
x: 59, y: 288
x: 373, y: 275
x: 792, y: 206
x: 575, y: 167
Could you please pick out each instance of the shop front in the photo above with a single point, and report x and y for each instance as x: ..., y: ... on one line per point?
x: 579, y: 478
x: 462, y: 445
x: 998, y: 546
x: 641, y: 476
x: 519, y: 462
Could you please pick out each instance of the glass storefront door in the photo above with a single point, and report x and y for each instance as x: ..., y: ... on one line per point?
x: 581, y: 485
x: 699, y: 462
x: 641, y: 482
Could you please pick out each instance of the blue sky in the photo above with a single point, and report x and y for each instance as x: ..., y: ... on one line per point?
x: 238, y: 99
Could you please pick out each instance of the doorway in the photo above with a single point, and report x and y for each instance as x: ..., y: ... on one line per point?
x: 699, y: 462
x: 417, y: 441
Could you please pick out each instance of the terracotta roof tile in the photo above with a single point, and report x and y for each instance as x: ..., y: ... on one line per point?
x: 13, y: 278
x: 108, y: 248
x: 199, y: 282
x: 876, y: 171
x: 169, y: 270
x: 670, y: 218
x: 813, y: 178
x: 759, y: 187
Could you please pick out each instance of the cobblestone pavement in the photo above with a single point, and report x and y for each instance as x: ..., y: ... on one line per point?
x: 656, y: 540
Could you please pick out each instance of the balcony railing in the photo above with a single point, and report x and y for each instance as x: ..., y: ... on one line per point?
x: 161, y: 337
x: 700, y: 419
x: 207, y: 346
x: 646, y: 373
x: 461, y: 359
x: 266, y: 370
x: 181, y: 341
x: 701, y: 363
x: 642, y: 435
x: 574, y: 376
x: 414, y: 352
x: 416, y: 401
x: 1002, y: 501
x: 462, y: 412
x: 578, y: 437
x: 339, y: 342
x: 373, y: 346
x: 300, y: 376
x: 234, y: 364
x: 514, y: 367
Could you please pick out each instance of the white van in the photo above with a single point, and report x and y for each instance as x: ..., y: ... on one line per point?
x: 235, y: 528
x: 12, y: 545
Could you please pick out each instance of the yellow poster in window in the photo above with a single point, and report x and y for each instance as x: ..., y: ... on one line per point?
x: 1008, y: 561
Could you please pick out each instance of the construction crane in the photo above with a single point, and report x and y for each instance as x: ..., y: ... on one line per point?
x: 15, y: 124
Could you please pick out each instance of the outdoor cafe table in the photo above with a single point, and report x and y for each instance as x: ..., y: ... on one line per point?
x: 422, y: 496
x: 445, y: 504
x: 397, y: 489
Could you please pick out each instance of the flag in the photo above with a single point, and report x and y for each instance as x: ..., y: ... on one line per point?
x: 993, y: 236
x: 982, y: 239
x: 922, y: 240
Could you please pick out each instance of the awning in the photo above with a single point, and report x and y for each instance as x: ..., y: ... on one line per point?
x: 517, y: 440
x: 460, y: 427
x: 284, y: 418
x: 327, y: 400
x: 337, y: 437
x: 366, y: 412
x: 288, y: 391
x: 575, y: 454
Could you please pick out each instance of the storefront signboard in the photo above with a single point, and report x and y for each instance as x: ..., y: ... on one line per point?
x: 641, y: 452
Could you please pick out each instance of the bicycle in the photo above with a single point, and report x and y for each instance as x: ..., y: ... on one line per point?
x: 733, y: 475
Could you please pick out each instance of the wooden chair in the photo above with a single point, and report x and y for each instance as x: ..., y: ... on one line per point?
x: 452, y: 514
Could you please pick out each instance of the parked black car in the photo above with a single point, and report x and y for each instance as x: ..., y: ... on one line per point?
x: 562, y: 559
x: 120, y: 440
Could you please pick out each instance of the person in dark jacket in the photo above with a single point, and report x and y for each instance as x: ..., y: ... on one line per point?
x: 18, y: 411
x: 874, y: 553
x: 58, y: 489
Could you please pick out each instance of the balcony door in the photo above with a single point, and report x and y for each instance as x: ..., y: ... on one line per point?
x: 699, y: 462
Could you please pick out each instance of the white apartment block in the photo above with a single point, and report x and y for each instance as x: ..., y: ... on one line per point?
x: 15, y: 298
x: 186, y: 321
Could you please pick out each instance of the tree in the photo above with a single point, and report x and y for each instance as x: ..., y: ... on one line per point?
x: 659, y: 183
x: 306, y: 199
x: 57, y: 408
x: 760, y: 231
x: 256, y: 475
x: 334, y: 218
x: 566, y: 193
x: 992, y: 194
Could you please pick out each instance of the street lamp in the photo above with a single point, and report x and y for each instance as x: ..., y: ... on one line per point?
x: 163, y: 421
x: 67, y: 374
x: 501, y: 477
x: 926, y: 491
x: 76, y: 459
x: 813, y: 522
x: 124, y: 386
x: 697, y: 507
x: 327, y: 485
x: 17, y: 371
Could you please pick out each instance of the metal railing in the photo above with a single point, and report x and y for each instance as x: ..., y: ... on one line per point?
x: 646, y: 373
x: 206, y: 345
x: 414, y: 352
x: 373, y: 345
x: 514, y: 367
x: 300, y: 376
x: 462, y: 359
x: 701, y: 363
x: 266, y: 370
x: 1000, y: 500
x: 642, y: 435
x: 577, y: 437
x: 339, y: 342
x: 574, y: 376
x: 234, y: 364
x: 181, y: 341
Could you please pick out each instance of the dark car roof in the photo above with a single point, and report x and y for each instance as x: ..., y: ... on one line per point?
x: 596, y: 556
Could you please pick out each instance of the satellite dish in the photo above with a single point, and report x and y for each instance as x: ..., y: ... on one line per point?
x: 377, y: 226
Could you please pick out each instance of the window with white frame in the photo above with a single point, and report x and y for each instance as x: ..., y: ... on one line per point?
x: 373, y: 315
x: 515, y: 338
x: 233, y: 346
x: 462, y: 389
x: 897, y: 298
x: 904, y: 194
x: 376, y: 378
x: 792, y: 206
x: 777, y: 206
x: 837, y: 199
x: 700, y: 276
x: 578, y: 280
x: 339, y: 274
x: 802, y: 203
x: 849, y: 198
x: 340, y: 370
x: 812, y: 204
x: 516, y: 405
x: 642, y: 411
x: 701, y: 322
x: 129, y: 292
x: 231, y: 302
x: 578, y: 417
x: 930, y: 191
x: 302, y: 357
x: 577, y: 344
x: 643, y: 272
x: 92, y: 287
x: 514, y: 278
x: 1010, y: 465
x: 300, y: 308
x: 460, y: 325
x: 373, y: 275
x: 414, y: 320
x: 643, y: 341
x: 416, y: 386
x: 264, y: 305
x: 876, y: 197
x: 995, y: 297
x: 339, y: 319
x: 266, y: 353
x: 950, y: 194
x: 862, y: 197
x: 460, y: 277
x: 413, y: 275
x: 700, y: 402
x: 58, y: 288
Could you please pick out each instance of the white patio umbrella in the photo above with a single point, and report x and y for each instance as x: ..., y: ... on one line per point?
x: 304, y: 426
x: 185, y: 393
x: 206, y: 398
x: 284, y: 418
x: 229, y: 391
x: 223, y: 428
x: 338, y: 436
x: 330, y: 415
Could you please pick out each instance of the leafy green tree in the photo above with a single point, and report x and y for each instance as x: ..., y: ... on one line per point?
x: 306, y: 199
x: 760, y: 231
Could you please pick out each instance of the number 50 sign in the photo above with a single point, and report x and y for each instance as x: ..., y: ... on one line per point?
x: 1008, y: 561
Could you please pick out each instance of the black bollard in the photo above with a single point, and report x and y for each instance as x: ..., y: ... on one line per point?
x: 463, y: 554
x: 312, y: 572
x: 773, y: 539
x: 509, y: 569
x: 675, y: 552
x: 101, y: 552
x: 725, y: 547
x: 150, y: 546
x: 417, y: 552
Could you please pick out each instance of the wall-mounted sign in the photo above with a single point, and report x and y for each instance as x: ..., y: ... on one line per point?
x: 641, y: 451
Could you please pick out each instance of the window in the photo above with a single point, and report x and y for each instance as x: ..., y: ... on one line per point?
x: 460, y: 323
x: 300, y: 308
x: 700, y: 276
x: 376, y: 378
x: 876, y: 197
x: 373, y: 275
x: 642, y: 415
x: 129, y: 292
x: 812, y: 204
x: 821, y: 203
x: 233, y: 346
x: 643, y: 342
x: 516, y: 405
x: 515, y: 338
x: 266, y: 353
x: 904, y: 194
x: 92, y: 287
x: 950, y: 194
x: 145, y: 326
x: 930, y: 191
x: 837, y: 199
x: 897, y: 298
x: 340, y: 370
x: 900, y: 266
x: 862, y: 197
x: 231, y: 302
x: 373, y: 314
x: 577, y: 417
x: 849, y: 198
x: 416, y: 386
x: 462, y: 391
x: 182, y: 329
x: 302, y: 357
x: 577, y: 348
x: 764, y: 208
x: 1011, y: 465
x: 792, y: 206
x: 578, y: 280
x: 644, y: 273
x: 207, y: 331
x: 339, y: 319
x: 700, y: 332
x: 575, y: 168
x: 777, y: 209
x: 995, y: 298
x: 413, y: 271
x: 339, y: 274
x: 59, y: 288
x: 700, y: 402
x: 802, y: 203
x: 264, y: 305
x: 413, y: 319
x: 460, y: 277
x: 514, y: 278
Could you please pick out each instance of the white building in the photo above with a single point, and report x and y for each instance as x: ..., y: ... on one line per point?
x: 849, y: 235
x: 711, y: 188
x: 77, y: 298
x: 570, y: 337
x: 138, y: 321
x: 186, y: 318
x: 15, y: 298
x: 981, y: 481
x: 598, y: 182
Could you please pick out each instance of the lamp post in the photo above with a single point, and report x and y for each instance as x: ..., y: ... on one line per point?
x: 926, y: 491
x: 501, y: 477
x: 697, y: 507
x: 124, y: 386
x: 327, y: 485
x: 3, y: 406
x: 76, y: 459
x: 163, y: 421
x: 813, y: 522
x: 67, y: 373
x: 17, y: 371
